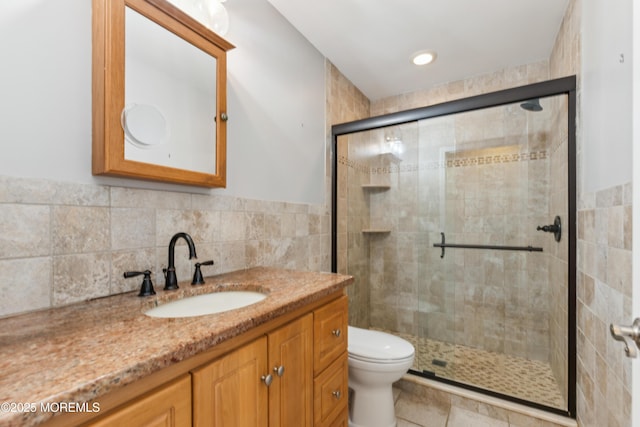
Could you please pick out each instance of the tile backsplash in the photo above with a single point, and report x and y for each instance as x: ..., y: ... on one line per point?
x: 66, y: 242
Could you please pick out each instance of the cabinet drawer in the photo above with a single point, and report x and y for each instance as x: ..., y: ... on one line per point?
x: 331, y: 392
x: 330, y: 325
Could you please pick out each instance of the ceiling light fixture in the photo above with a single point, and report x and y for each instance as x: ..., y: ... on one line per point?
x: 214, y: 15
x: 210, y: 13
x: 424, y: 57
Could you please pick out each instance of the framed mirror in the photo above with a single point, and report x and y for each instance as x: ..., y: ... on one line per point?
x: 159, y: 94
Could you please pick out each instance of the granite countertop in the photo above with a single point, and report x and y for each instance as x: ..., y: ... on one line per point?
x: 80, y: 352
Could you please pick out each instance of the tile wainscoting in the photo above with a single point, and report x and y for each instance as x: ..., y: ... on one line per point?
x: 68, y: 242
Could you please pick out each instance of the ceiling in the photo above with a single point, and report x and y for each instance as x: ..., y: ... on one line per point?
x: 372, y: 41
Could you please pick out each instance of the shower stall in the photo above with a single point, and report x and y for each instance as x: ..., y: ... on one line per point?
x: 457, y: 222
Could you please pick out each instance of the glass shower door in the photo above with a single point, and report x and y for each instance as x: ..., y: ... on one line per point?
x: 445, y: 216
x: 494, y: 288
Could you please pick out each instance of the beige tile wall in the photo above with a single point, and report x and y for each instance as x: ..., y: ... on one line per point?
x: 500, y: 79
x: 68, y: 242
x: 604, y: 297
x: 346, y: 103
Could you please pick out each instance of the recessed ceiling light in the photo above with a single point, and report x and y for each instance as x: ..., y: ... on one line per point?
x: 424, y: 57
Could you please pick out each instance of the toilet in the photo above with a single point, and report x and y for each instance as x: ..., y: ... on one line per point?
x: 376, y: 360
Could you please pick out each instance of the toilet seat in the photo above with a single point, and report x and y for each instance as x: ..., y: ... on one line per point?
x: 378, y: 347
x: 379, y: 361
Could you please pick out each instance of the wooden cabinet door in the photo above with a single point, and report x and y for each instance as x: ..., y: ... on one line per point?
x: 229, y: 392
x: 291, y: 393
x: 168, y: 406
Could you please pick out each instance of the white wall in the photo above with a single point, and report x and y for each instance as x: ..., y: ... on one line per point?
x: 609, y: 52
x: 276, y: 101
x: 45, y: 89
x: 276, y: 107
x: 606, y: 94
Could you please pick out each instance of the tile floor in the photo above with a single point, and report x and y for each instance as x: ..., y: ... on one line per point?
x: 420, y: 405
x: 529, y: 380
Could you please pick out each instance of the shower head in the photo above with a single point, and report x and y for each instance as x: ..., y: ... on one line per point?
x: 531, y: 105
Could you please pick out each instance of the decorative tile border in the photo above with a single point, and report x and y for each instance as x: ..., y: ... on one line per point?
x: 499, y: 158
x: 354, y: 164
x: 363, y: 167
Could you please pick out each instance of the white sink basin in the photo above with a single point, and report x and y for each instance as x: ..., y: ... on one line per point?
x: 216, y: 302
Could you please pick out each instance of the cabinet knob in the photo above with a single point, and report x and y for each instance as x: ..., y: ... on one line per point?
x: 279, y: 370
x: 267, y: 379
x: 336, y: 332
x: 337, y: 394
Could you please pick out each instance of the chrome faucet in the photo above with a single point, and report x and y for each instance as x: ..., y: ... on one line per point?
x: 171, y: 280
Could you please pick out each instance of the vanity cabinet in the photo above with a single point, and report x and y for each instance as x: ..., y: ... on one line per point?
x: 305, y: 365
x: 301, y: 354
x: 295, y: 376
x: 268, y: 382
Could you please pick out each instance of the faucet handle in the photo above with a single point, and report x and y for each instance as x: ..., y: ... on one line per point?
x: 197, y: 275
x: 146, y: 289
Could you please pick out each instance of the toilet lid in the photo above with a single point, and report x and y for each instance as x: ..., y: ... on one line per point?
x: 366, y: 344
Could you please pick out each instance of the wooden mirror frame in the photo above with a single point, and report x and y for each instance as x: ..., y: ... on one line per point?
x: 108, y: 157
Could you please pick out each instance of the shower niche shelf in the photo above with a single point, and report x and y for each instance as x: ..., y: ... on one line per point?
x: 380, y: 167
x: 388, y: 158
x: 381, y: 187
x: 375, y: 231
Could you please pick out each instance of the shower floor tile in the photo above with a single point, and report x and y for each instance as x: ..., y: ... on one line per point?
x: 530, y: 380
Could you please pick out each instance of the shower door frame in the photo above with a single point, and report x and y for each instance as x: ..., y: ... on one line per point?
x: 560, y: 86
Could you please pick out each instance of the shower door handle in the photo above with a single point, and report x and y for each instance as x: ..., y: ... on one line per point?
x: 555, y: 228
x: 629, y: 335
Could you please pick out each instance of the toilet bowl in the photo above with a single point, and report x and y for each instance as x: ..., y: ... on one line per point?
x: 376, y: 361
